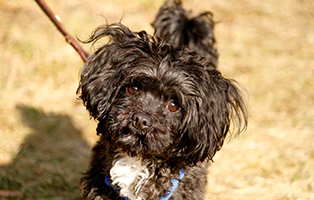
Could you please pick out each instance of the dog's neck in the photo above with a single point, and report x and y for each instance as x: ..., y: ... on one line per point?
x: 134, y: 177
x: 130, y: 174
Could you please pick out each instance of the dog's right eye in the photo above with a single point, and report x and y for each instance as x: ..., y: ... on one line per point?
x: 173, y: 106
x: 132, y: 89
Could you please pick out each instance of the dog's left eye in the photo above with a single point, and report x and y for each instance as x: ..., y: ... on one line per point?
x: 173, y: 106
x: 132, y: 89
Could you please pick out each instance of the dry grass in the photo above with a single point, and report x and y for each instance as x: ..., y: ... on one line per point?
x: 267, y: 46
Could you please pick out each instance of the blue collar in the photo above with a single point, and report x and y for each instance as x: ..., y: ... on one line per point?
x: 175, y: 182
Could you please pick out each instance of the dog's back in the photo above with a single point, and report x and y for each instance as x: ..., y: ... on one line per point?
x: 174, y: 25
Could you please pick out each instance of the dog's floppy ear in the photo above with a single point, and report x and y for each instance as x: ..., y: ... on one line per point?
x: 211, y: 116
x: 101, y: 74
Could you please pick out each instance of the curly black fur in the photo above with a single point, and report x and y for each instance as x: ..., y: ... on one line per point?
x: 162, y: 71
x: 174, y: 25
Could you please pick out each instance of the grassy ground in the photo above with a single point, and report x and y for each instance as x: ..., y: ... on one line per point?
x: 267, y: 46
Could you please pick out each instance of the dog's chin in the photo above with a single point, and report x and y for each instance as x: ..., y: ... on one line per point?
x: 150, y: 142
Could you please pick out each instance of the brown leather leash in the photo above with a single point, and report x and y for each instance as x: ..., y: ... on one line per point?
x: 57, y: 22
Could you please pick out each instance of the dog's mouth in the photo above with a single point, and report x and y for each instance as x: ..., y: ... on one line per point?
x: 152, y: 141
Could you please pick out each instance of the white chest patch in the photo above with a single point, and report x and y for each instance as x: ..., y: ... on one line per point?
x: 130, y: 175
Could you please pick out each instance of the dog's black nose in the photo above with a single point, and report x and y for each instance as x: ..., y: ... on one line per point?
x: 142, y: 121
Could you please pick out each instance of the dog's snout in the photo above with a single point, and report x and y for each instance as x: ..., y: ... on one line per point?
x: 142, y: 120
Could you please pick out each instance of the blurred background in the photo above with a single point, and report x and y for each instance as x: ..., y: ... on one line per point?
x: 46, y: 134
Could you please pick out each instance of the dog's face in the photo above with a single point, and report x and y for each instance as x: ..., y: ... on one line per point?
x: 146, y: 114
x: 156, y: 101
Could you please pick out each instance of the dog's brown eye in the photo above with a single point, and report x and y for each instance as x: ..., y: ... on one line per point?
x: 173, y: 107
x: 132, y: 89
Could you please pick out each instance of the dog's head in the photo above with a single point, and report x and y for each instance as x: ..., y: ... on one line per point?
x: 157, y: 101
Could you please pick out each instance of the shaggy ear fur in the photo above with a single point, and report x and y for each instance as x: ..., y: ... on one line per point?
x: 174, y: 25
x: 208, y: 120
x: 102, y: 72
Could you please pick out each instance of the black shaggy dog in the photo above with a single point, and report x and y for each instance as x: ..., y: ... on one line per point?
x: 163, y: 110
